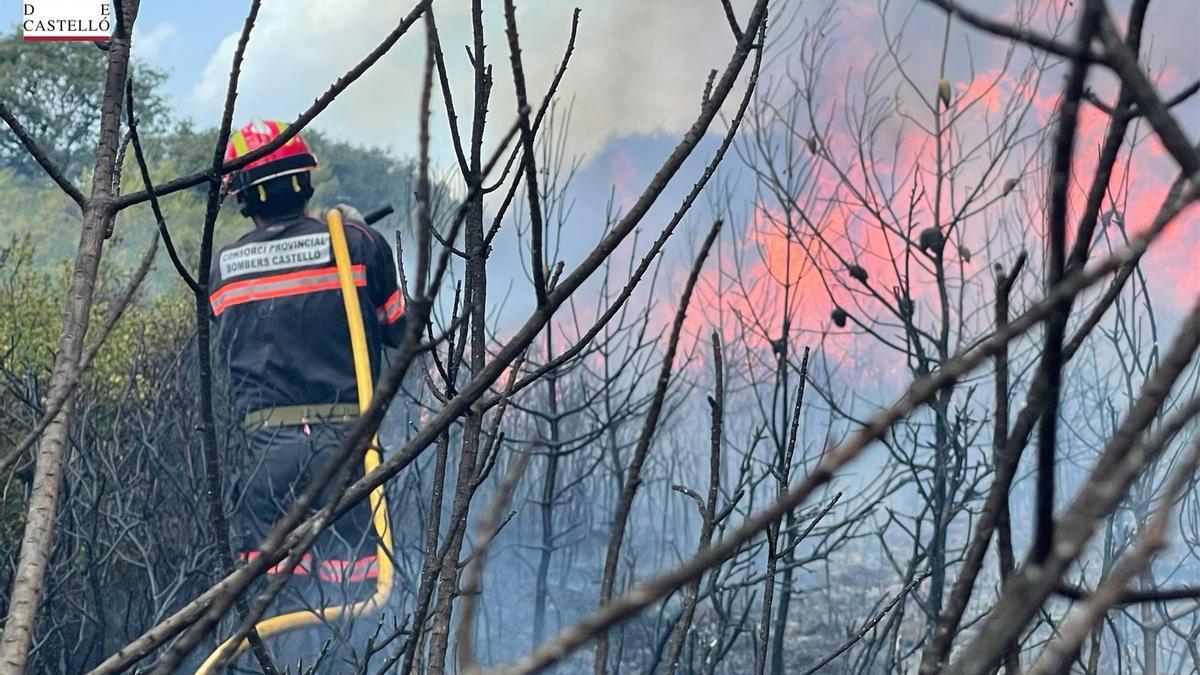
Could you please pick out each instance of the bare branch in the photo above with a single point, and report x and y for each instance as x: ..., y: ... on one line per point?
x: 1022, y: 35
x: 1122, y: 460
x: 1059, y: 655
x: 489, y: 527
x: 1052, y: 350
x: 537, y: 257
x: 28, y: 579
x: 654, y: 589
x: 1124, y: 62
x: 869, y: 625
x: 633, y: 475
x: 149, y: 185
x: 732, y: 19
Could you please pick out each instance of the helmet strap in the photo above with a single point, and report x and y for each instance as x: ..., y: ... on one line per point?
x: 281, y: 195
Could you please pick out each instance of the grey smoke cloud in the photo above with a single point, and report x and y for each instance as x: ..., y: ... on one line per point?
x: 639, y: 67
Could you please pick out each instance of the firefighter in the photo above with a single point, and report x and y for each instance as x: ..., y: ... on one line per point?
x: 282, y: 330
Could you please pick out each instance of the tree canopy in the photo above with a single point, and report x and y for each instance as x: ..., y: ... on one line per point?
x: 55, y: 91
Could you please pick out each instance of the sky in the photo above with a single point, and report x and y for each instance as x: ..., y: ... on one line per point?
x: 638, y: 68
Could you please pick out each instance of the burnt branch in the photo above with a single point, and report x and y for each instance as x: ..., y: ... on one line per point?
x: 1059, y: 655
x: 920, y: 393
x: 537, y: 229
x: 633, y: 474
x: 1056, y: 227
x: 149, y: 186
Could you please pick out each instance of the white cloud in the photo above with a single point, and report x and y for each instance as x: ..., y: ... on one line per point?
x: 639, y: 66
x: 148, y: 44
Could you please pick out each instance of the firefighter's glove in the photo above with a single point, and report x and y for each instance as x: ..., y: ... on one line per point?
x: 350, y: 213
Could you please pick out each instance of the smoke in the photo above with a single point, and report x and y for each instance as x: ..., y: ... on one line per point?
x: 638, y: 68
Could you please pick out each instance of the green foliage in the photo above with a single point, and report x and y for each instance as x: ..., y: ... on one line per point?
x: 154, y: 330
x: 55, y: 89
x: 37, y: 208
x: 127, y: 475
x: 30, y: 318
x: 28, y: 327
x: 364, y: 177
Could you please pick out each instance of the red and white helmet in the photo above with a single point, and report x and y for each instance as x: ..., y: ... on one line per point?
x: 292, y: 157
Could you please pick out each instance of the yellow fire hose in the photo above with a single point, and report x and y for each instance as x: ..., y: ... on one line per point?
x: 291, y: 621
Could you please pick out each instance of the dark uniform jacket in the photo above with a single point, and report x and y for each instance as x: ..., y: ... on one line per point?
x: 282, y: 333
x: 281, y: 321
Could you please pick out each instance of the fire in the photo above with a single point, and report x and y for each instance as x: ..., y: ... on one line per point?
x: 870, y: 194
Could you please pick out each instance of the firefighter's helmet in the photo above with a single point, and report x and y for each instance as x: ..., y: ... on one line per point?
x: 291, y: 158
